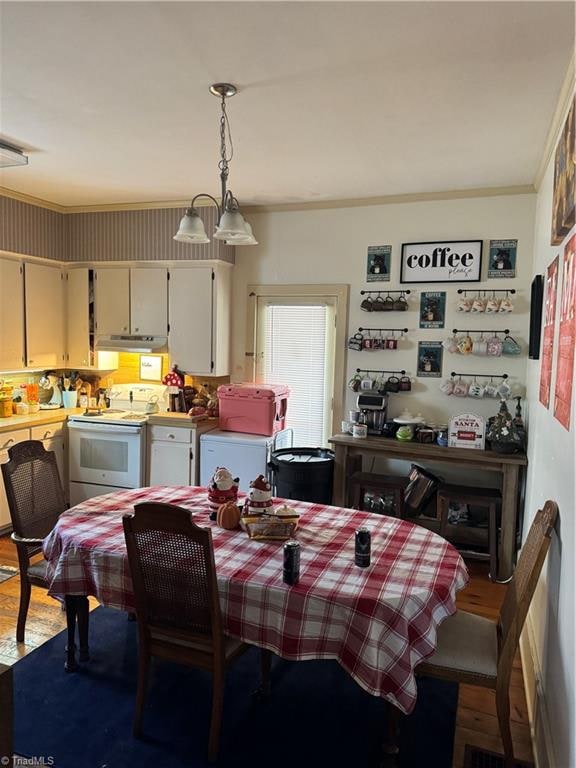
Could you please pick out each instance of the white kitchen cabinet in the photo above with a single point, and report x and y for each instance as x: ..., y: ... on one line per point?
x: 172, y: 456
x: 53, y: 439
x: 199, y: 319
x: 112, y: 300
x: 78, y: 348
x: 148, y: 301
x: 11, y: 315
x: 44, y: 309
x: 7, y: 440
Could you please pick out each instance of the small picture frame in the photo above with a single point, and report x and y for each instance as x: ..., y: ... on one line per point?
x: 429, y: 359
x: 151, y: 367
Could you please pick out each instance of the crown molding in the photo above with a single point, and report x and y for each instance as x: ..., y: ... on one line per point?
x: 38, y: 201
x: 564, y: 100
x: 358, y: 202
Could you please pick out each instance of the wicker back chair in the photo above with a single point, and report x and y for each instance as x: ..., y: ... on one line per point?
x: 478, y: 651
x: 36, y: 500
x: 177, y: 605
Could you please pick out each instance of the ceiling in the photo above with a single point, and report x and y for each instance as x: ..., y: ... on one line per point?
x: 336, y: 100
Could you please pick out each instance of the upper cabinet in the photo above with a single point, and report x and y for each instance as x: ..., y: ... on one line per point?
x: 112, y: 301
x: 199, y: 319
x: 80, y: 301
x: 131, y: 301
x: 11, y: 315
x: 44, y: 310
x: 149, y: 301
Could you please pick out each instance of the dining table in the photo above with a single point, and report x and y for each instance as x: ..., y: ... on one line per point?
x: 379, y: 622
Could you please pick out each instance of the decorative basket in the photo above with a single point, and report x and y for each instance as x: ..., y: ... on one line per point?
x: 269, y: 527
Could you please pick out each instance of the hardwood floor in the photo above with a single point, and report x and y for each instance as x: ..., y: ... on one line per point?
x: 476, y: 720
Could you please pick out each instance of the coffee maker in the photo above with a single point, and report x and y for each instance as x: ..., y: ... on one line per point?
x: 373, y: 407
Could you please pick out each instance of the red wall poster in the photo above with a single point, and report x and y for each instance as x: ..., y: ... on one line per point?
x: 567, y: 337
x: 548, y: 335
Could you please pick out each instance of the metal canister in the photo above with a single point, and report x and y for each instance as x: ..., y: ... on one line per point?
x: 291, y: 562
x: 362, y: 547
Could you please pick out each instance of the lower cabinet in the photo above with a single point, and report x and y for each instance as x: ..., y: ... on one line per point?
x: 172, y: 456
x: 53, y: 439
x: 7, y: 440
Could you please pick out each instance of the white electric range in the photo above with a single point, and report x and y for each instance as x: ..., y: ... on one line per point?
x: 107, y: 449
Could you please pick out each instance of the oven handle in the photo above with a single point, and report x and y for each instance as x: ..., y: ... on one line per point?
x: 117, y: 429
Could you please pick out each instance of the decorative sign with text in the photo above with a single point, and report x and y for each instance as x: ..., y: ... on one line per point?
x: 456, y: 261
x: 467, y: 431
x: 566, y: 337
x: 502, y: 258
x: 378, y: 263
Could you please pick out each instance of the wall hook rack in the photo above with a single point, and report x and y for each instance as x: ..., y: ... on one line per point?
x: 480, y: 375
x: 383, y: 290
x: 466, y: 291
x: 480, y: 330
x: 377, y: 330
x: 379, y: 370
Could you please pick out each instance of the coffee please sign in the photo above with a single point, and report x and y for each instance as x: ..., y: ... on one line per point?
x: 457, y: 261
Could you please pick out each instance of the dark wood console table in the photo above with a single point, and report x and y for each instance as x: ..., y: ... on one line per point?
x: 506, y: 465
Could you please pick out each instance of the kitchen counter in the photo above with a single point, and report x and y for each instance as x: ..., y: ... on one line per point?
x: 53, y: 416
x: 174, y: 419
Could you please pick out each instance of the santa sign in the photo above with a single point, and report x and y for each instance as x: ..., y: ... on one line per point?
x: 467, y: 431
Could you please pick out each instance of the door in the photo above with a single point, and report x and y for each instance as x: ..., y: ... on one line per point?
x: 77, y: 325
x: 44, y: 302
x: 112, y: 301
x: 149, y: 301
x: 190, y: 315
x: 105, y: 454
x: 11, y: 315
x: 170, y: 463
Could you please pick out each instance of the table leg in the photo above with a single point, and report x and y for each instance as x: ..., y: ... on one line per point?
x: 509, y: 516
x: 390, y: 749
x: 83, y: 617
x: 340, y: 475
x: 71, y: 610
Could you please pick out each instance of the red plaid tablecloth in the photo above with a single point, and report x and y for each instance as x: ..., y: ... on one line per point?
x: 378, y: 622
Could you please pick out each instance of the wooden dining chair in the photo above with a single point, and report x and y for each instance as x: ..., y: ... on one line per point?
x: 177, y: 605
x: 35, y: 500
x: 477, y: 651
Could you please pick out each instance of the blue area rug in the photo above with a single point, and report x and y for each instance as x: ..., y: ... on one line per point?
x: 316, y: 716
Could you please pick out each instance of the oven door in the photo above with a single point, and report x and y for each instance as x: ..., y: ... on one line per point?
x: 106, y: 454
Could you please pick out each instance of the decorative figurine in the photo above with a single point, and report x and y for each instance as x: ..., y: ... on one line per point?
x: 259, y: 499
x: 222, y: 488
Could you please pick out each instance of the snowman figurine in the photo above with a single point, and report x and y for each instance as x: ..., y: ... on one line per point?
x: 222, y: 488
x: 259, y: 499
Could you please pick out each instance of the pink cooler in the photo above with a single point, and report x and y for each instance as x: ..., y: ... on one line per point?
x: 256, y: 409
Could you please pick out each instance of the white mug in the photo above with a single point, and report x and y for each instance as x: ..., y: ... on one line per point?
x: 359, y: 430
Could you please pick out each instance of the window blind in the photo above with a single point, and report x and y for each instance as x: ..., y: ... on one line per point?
x: 295, y: 350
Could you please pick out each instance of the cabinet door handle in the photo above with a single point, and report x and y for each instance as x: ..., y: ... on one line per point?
x: 46, y: 434
x: 7, y: 443
x: 171, y: 437
x: 125, y: 328
x: 136, y: 329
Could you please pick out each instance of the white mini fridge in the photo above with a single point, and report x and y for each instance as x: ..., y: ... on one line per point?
x: 246, y: 456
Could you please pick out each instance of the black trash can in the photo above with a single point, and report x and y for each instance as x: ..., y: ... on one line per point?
x: 304, y: 474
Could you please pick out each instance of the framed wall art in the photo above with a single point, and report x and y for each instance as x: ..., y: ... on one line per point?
x: 502, y: 258
x: 378, y: 263
x: 549, y: 324
x: 151, y: 367
x: 564, y: 202
x: 452, y: 261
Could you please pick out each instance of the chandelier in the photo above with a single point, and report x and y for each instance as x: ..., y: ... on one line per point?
x: 231, y: 225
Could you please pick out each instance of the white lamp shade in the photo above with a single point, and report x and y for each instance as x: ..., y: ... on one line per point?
x: 245, y: 239
x: 191, y: 229
x: 231, y: 224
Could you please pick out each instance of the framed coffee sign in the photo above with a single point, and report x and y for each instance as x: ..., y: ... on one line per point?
x: 454, y: 261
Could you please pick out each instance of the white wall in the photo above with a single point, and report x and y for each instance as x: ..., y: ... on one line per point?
x: 330, y: 246
x: 550, y: 629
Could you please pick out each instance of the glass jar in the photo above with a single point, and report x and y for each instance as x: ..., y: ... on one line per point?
x: 442, y: 435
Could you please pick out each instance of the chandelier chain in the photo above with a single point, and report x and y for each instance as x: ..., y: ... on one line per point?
x: 225, y: 133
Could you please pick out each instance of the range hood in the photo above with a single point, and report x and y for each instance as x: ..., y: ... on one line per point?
x: 126, y: 343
